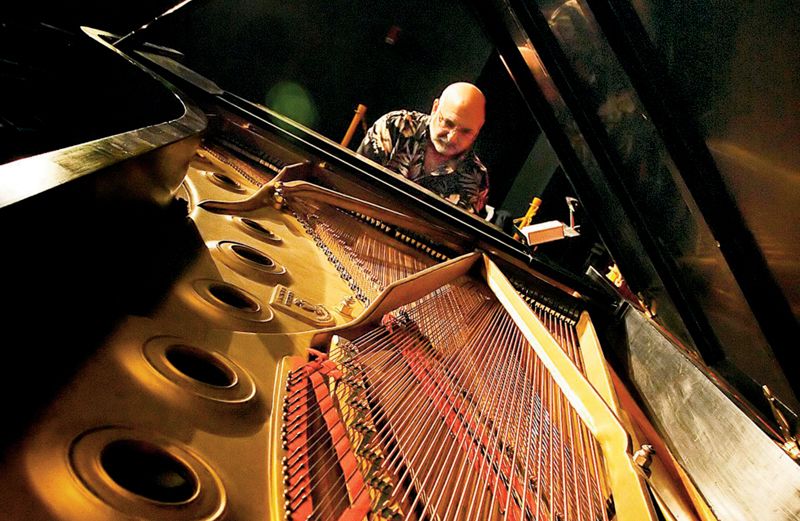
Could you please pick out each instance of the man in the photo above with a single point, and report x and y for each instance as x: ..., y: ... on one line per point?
x: 435, y: 151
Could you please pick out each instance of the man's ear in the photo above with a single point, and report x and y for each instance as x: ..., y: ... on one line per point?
x: 435, y: 106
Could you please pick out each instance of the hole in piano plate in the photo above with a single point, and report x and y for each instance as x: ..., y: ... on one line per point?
x: 233, y: 297
x: 202, y: 377
x: 149, y: 471
x: 251, y: 254
x: 200, y: 366
x: 140, y: 474
x: 257, y: 229
x: 225, y: 182
x: 245, y: 259
x: 224, y: 302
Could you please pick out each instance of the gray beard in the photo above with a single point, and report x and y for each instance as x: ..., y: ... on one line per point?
x: 441, y: 147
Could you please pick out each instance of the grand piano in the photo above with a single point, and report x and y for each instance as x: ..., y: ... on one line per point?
x: 217, y: 311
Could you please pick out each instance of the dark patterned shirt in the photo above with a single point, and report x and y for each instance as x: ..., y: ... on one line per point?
x: 398, y: 140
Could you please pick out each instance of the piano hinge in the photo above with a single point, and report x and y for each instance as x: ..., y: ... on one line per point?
x: 790, y: 440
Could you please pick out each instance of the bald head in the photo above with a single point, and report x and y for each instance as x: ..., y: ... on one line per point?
x: 457, y: 117
x: 466, y: 100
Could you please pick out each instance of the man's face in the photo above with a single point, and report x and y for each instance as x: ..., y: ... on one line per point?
x: 454, y: 128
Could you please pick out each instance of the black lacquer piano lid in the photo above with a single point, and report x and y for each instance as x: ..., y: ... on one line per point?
x: 70, y: 108
x: 657, y: 138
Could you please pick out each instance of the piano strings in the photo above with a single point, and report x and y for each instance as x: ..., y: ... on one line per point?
x: 563, y: 330
x: 375, y: 261
x: 444, y: 412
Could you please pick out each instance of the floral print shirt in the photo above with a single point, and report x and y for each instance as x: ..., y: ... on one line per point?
x: 398, y: 140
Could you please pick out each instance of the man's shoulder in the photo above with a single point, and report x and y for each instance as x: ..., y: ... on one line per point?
x: 396, y: 117
x: 402, y: 124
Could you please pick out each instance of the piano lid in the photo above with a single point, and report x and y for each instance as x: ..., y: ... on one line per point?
x: 70, y: 108
x: 698, y: 218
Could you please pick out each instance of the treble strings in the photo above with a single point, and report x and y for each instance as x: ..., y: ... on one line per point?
x: 563, y: 330
x: 476, y: 424
x: 457, y: 418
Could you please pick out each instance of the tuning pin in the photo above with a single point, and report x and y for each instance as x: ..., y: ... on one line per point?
x: 643, y: 457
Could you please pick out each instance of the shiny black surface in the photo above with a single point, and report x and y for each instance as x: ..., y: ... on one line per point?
x: 715, y: 127
x: 51, y: 78
x: 680, y: 243
x: 86, y: 186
